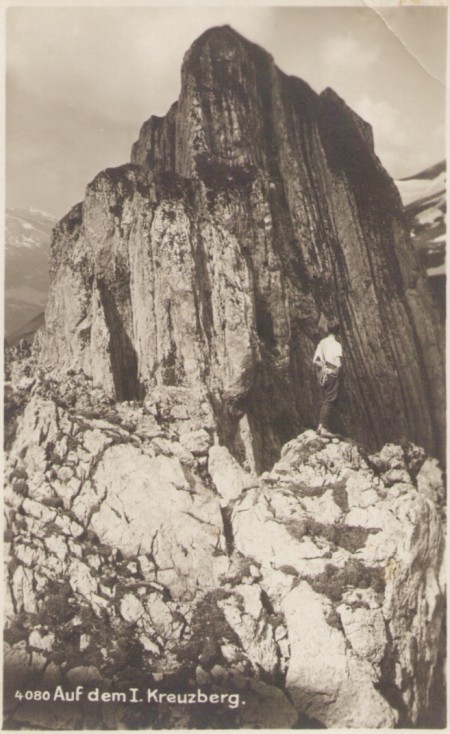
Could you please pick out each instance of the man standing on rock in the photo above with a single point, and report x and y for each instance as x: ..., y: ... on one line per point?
x: 328, y: 359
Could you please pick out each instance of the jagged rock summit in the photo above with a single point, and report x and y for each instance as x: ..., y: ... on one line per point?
x: 252, y: 212
x: 170, y: 525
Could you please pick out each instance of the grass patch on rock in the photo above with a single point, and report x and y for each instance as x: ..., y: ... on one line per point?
x: 306, y: 491
x: 209, y: 629
x: 333, y: 582
x: 349, y: 537
x: 13, y: 406
x: 340, y: 495
x: 219, y: 174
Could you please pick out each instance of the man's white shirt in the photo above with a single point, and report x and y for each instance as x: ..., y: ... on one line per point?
x: 328, y: 350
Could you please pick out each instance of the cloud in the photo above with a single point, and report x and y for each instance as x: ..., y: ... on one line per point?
x: 396, y: 141
x: 346, y: 50
x: 393, y: 140
x: 389, y: 126
x: 81, y: 81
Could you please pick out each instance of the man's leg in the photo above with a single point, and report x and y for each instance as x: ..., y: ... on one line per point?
x: 330, y: 392
x: 325, y: 414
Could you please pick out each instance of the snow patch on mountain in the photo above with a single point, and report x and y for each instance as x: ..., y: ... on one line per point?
x: 414, y: 189
x: 424, y: 199
x: 27, y: 247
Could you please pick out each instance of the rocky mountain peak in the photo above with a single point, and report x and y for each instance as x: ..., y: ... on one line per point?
x: 174, y: 523
x: 341, y: 109
x: 224, y: 55
x: 226, y: 97
x: 221, y: 42
x: 251, y: 213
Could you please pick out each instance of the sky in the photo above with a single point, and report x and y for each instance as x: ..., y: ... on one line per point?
x: 80, y: 81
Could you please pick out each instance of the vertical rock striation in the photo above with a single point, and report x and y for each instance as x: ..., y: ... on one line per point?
x: 249, y: 214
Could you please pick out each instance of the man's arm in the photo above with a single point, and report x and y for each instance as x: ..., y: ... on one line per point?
x: 318, y: 359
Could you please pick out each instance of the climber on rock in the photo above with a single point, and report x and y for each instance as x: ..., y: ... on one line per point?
x: 328, y: 360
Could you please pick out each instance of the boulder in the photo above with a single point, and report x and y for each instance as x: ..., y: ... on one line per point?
x: 197, y: 442
x: 318, y: 569
x: 147, y: 507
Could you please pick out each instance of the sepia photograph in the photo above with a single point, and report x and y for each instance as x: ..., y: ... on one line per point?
x: 224, y: 366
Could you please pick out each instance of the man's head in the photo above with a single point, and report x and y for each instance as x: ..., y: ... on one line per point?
x: 334, y: 327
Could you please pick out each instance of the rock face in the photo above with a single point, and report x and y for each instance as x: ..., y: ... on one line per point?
x: 170, y: 525
x: 251, y: 213
x: 312, y: 594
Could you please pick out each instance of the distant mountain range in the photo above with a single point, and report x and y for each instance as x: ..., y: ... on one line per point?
x: 28, y: 236
x: 27, y: 248
x: 424, y: 198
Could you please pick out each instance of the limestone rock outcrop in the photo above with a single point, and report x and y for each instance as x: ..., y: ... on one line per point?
x: 349, y: 536
x: 174, y: 528
x: 252, y: 212
x: 312, y: 594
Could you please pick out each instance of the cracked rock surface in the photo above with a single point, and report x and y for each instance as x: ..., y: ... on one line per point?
x: 314, y: 590
x: 360, y: 576
x: 170, y: 521
x: 251, y: 214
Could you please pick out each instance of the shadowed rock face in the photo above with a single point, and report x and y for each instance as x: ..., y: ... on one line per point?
x: 251, y: 213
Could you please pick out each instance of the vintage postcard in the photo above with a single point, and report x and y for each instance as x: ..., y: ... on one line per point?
x: 224, y: 366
